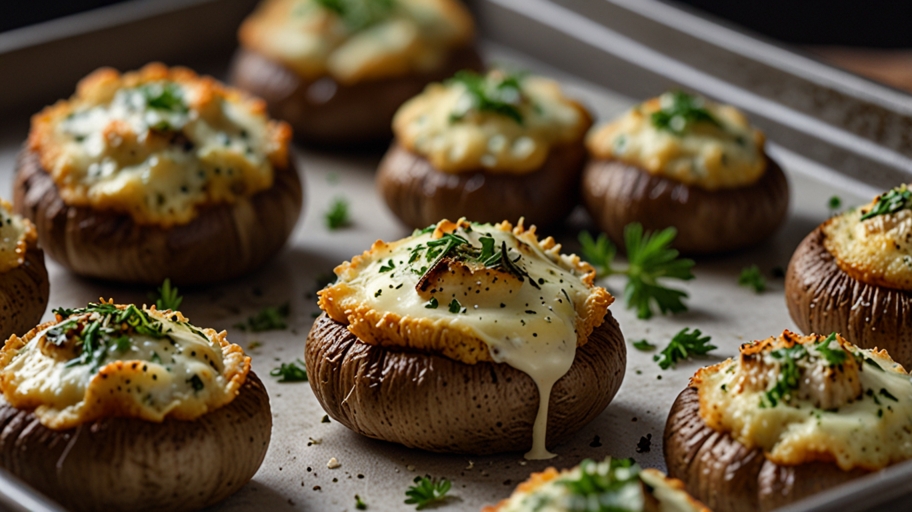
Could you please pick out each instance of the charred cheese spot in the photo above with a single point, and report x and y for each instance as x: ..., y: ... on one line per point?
x: 182, y: 373
x: 811, y: 398
x: 363, y: 40
x: 712, y: 156
x: 158, y: 144
x: 876, y: 251
x: 16, y: 236
x: 442, y: 125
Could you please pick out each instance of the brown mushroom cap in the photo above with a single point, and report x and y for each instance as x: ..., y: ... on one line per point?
x: 421, y: 195
x: 434, y: 403
x: 822, y: 298
x: 616, y: 194
x: 323, y: 111
x: 222, y: 242
x: 131, y: 464
x: 23, y: 294
x: 728, y: 477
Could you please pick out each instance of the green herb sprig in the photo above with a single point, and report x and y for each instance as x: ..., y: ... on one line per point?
x: 427, y: 491
x: 892, y: 201
x: 833, y: 356
x: 751, y: 277
x: 680, y: 112
x: 500, y: 93
x: 650, y: 258
x: 789, y: 374
x: 290, y: 372
x: 684, y: 344
x: 169, y: 297
x: 337, y: 215
x: 359, y: 503
x: 267, y: 319
x: 164, y: 96
x: 643, y: 345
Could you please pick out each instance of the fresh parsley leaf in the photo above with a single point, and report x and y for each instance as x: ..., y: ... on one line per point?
x: 290, y: 372
x: 431, y: 304
x: 496, y: 92
x: 168, y: 297
x: 359, y: 503
x: 600, y: 252
x: 900, y: 198
x: 455, y: 306
x: 649, y: 258
x: 427, y: 491
x: 833, y: 356
x: 267, y: 319
x: 196, y: 383
x: 337, y: 216
x: 751, y: 277
x: 164, y: 96
x: 389, y: 266
x: 681, y: 111
x: 789, y: 374
x: 684, y: 344
x: 834, y: 203
x: 643, y: 345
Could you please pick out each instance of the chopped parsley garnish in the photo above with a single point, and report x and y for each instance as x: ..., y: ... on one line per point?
x: 751, y: 277
x: 387, y: 267
x: 887, y: 394
x: 643, y: 345
x: 681, y: 111
x: 164, y: 96
x: 359, y: 503
x: 615, y: 482
x: 789, y: 374
x: 899, y: 198
x: 649, y: 258
x: 431, y: 304
x: 168, y: 297
x: 455, y: 306
x: 427, y: 491
x: 359, y: 14
x: 196, y: 383
x: 290, y: 372
x: 496, y: 92
x: 833, y: 356
x: 834, y: 203
x: 684, y: 344
x: 337, y: 215
x: 268, y: 319
x: 456, y: 247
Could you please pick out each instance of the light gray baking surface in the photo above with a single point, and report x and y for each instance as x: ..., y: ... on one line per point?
x: 294, y: 475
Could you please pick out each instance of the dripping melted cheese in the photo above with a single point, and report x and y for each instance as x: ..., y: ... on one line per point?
x: 469, y: 312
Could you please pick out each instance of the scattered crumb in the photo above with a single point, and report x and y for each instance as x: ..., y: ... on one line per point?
x: 596, y: 442
x: 325, y: 419
x: 410, y: 467
x: 471, y: 465
x: 312, y: 441
x: 522, y: 463
x: 508, y: 481
x: 333, y: 463
x: 658, y: 377
x: 638, y: 372
x: 484, y: 472
x: 645, y: 444
x: 633, y: 419
x: 360, y: 475
x: 318, y: 488
x: 253, y: 345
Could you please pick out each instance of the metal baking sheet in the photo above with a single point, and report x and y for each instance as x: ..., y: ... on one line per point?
x: 295, y: 476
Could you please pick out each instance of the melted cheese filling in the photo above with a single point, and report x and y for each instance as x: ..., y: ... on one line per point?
x: 529, y: 324
x: 183, y: 375
x: 442, y: 125
x: 158, y: 145
x: 549, y: 493
x: 16, y: 234
x: 712, y: 157
x: 364, y: 40
x: 876, y: 251
x: 857, y: 414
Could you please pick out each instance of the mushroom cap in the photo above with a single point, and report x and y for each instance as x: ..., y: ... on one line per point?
x: 23, y: 294
x: 326, y: 112
x: 437, y: 404
x: 616, y: 193
x: 821, y: 297
x: 728, y: 477
x: 222, y: 242
x: 420, y: 195
x: 131, y: 464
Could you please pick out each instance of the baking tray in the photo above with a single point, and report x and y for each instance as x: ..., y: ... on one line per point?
x: 833, y: 133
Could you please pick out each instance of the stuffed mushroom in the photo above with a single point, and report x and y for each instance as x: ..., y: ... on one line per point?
x: 466, y: 338
x: 790, y: 416
x: 157, y: 174
x: 24, y: 285
x: 337, y: 71
x: 682, y: 161
x: 488, y: 147
x: 613, y: 484
x: 116, y: 407
x: 853, y: 274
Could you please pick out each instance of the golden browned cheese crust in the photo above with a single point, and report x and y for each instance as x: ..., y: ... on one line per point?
x: 457, y: 341
x: 17, y: 236
x: 103, y: 149
x: 39, y: 375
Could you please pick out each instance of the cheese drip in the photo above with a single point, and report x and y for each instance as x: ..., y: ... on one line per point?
x: 172, y: 369
x: 806, y: 398
x: 527, y: 318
